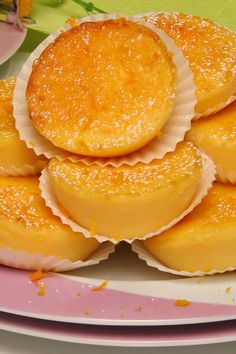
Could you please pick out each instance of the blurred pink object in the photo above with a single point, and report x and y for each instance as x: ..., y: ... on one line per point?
x: 11, y: 38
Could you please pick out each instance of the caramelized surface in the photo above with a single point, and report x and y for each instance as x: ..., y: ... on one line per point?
x: 138, y: 179
x: 217, y: 207
x: 7, y: 127
x: 102, y: 89
x: 219, y: 129
x: 20, y: 202
x: 210, y: 49
x: 26, y: 224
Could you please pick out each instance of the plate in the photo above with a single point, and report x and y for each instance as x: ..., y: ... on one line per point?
x: 119, y: 336
x: 134, y: 294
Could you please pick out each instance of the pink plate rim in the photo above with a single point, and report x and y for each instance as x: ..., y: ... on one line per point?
x: 71, y: 301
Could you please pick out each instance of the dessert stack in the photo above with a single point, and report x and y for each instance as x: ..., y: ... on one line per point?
x: 125, y: 115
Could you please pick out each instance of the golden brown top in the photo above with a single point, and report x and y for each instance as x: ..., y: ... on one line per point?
x: 210, y: 48
x: 103, y: 88
x: 218, y: 206
x: 7, y: 124
x: 20, y: 202
x: 124, y: 180
x: 220, y: 128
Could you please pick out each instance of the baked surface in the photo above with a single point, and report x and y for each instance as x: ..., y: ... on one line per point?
x: 26, y: 224
x: 211, y: 51
x: 127, y: 201
x: 102, y: 89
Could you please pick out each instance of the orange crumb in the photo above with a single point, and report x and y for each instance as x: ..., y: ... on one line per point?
x: 78, y: 293
x: 36, y: 276
x: 122, y: 315
x: 86, y: 313
x: 101, y: 286
x: 227, y: 290
x: 182, y: 303
x: 42, y: 291
x: 137, y: 309
x: 72, y: 21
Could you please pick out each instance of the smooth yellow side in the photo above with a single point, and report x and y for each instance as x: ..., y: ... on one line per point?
x: 205, y: 239
x: 216, y: 135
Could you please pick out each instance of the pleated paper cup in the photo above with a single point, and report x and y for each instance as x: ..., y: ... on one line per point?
x: 205, y: 183
x: 151, y: 261
x: 221, y: 105
x: 36, y: 261
x: 24, y: 170
x: 172, y: 133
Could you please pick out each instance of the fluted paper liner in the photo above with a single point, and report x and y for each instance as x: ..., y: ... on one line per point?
x: 24, y: 260
x: 172, y: 133
x: 206, y: 180
x: 151, y: 261
x: 24, y: 170
x: 209, y: 111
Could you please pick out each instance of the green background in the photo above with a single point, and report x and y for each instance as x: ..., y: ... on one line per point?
x: 50, y: 16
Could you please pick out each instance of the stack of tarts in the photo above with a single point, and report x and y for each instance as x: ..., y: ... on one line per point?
x: 106, y: 106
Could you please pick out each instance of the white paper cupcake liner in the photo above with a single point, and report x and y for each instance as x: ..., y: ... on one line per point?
x: 221, y: 105
x: 24, y: 170
x: 205, y: 183
x: 142, y: 252
x: 24, y: 260
x: 172, y: 133
x: 225, y: 176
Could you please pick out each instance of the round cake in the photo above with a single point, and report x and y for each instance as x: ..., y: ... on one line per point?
x: 13, y: 151
x: 211, y: 51
x: 205, y: 239
x: 102, y: 88
x: 127, y: 202
x: 26, y: 224
x: 216, y: 135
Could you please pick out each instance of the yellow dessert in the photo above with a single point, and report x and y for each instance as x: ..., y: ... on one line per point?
x: 13, y: 151
x: 211, y: 51
x: 127, y: 201
x: 216, y: 135
x: 26, y: 224
x: 205, y: 239
x: 102, y: 89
